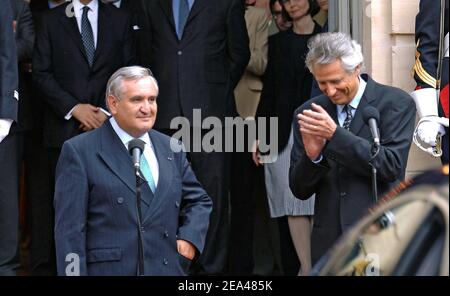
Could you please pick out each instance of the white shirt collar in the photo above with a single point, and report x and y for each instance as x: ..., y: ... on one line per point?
x: 125, y: 137
x: 78, y: 6
x: 357, y: 99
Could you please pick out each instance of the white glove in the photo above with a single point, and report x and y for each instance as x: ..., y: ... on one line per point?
x: 428, y: 132
x: 5, y: 125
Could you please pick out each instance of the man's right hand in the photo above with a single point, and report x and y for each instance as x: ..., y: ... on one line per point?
x: 86, y: 114
x: 313, y: 144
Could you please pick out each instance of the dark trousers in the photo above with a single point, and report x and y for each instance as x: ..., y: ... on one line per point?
x: 212, y: 170
x: 40, y: 164
x: 9, y: 203
x: 243, y: 203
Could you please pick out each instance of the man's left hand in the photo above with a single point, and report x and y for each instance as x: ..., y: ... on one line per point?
x: 186, y: 249
x: 317, y: 122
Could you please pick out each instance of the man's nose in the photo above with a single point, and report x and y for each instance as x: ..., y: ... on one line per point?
x: 330, y: 91
x: 145, y: 106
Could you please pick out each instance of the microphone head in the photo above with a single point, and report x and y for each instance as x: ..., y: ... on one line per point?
x: 370, y: 112
x: 136, y: 143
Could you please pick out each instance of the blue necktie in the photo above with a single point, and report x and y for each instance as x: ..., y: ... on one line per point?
x: 182, y: 17
x: 87, y: 36
x: 348, y: 120
x: 145, y: 169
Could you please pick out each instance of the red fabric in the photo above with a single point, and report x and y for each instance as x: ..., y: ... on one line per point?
x: 444, y: 100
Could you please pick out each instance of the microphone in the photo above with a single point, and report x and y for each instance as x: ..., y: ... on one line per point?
x: 136, y: 148
x: 371, y: 117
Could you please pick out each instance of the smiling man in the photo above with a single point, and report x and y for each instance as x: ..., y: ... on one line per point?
x: 332, y: 144
x: 95, y: 199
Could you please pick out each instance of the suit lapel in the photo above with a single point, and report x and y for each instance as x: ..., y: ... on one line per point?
x: 104, y: 30
x: 166, y: 6
x: 358, y: 122
x: 196, y: 8
x: 71, y: 27
x: 164, y: 157
x: 116, y: 156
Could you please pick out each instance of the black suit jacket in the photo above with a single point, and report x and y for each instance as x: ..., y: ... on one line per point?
x: 8, y: 64
x: 24, y: 42
x: 203, y: 68
x: 342, y: 180
x: 61, y: 70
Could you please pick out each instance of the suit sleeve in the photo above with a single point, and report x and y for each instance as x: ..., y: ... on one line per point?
x: 196, y: 207
x: 258, y: 57
x: 237, y: 43
x: 53, y: 94
x: 25, y: 33
x: 304, y: 175
x: 427, y: 43
x: 8, y: 64
x: 71, y: 202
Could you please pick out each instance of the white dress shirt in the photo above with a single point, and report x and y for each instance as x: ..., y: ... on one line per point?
x: 149, y: 152
x: 92, y: 16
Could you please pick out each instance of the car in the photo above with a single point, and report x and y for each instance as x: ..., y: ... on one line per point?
x: 405, y: 234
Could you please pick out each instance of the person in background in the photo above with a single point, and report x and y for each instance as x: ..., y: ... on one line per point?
x: 433, y: 113
x: 287, y: 85
x: 280, y: 22
x: 242, y: 190
x: 9, y: 195
x: 321, y: 16
x: 199, y: 50
x: 72, y: 61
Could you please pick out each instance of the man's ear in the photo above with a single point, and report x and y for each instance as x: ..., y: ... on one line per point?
x: 112, y: 104
x: 358, y: 70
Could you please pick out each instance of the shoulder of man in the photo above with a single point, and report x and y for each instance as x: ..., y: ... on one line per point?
x: 387, y: 92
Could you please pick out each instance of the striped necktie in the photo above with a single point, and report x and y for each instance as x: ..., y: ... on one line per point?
x: 87, y: 36
x: 348, y: 120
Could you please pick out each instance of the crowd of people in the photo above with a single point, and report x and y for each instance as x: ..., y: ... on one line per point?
x: 83, y: 81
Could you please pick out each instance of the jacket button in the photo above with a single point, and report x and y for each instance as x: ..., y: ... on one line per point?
x: 166, y: 234
x: 177, y: 204
x: 179, y: 52
x: 120, y: 200
x: 165, y: 261
x: 343, y: 194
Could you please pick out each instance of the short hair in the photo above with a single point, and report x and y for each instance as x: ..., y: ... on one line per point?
x: 325, y: 48
x: 313, y: 9
x: 114, y: 86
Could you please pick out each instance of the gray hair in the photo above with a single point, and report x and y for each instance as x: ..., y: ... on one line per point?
x: 114, y: 86
x: 326, y: 48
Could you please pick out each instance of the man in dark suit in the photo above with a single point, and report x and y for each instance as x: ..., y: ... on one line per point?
x: 9, y: 212
x: 76, y: 52
x: 332, y: 144
x: 198, y: 50
x: 95, y: 197
x: 39, y: 193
